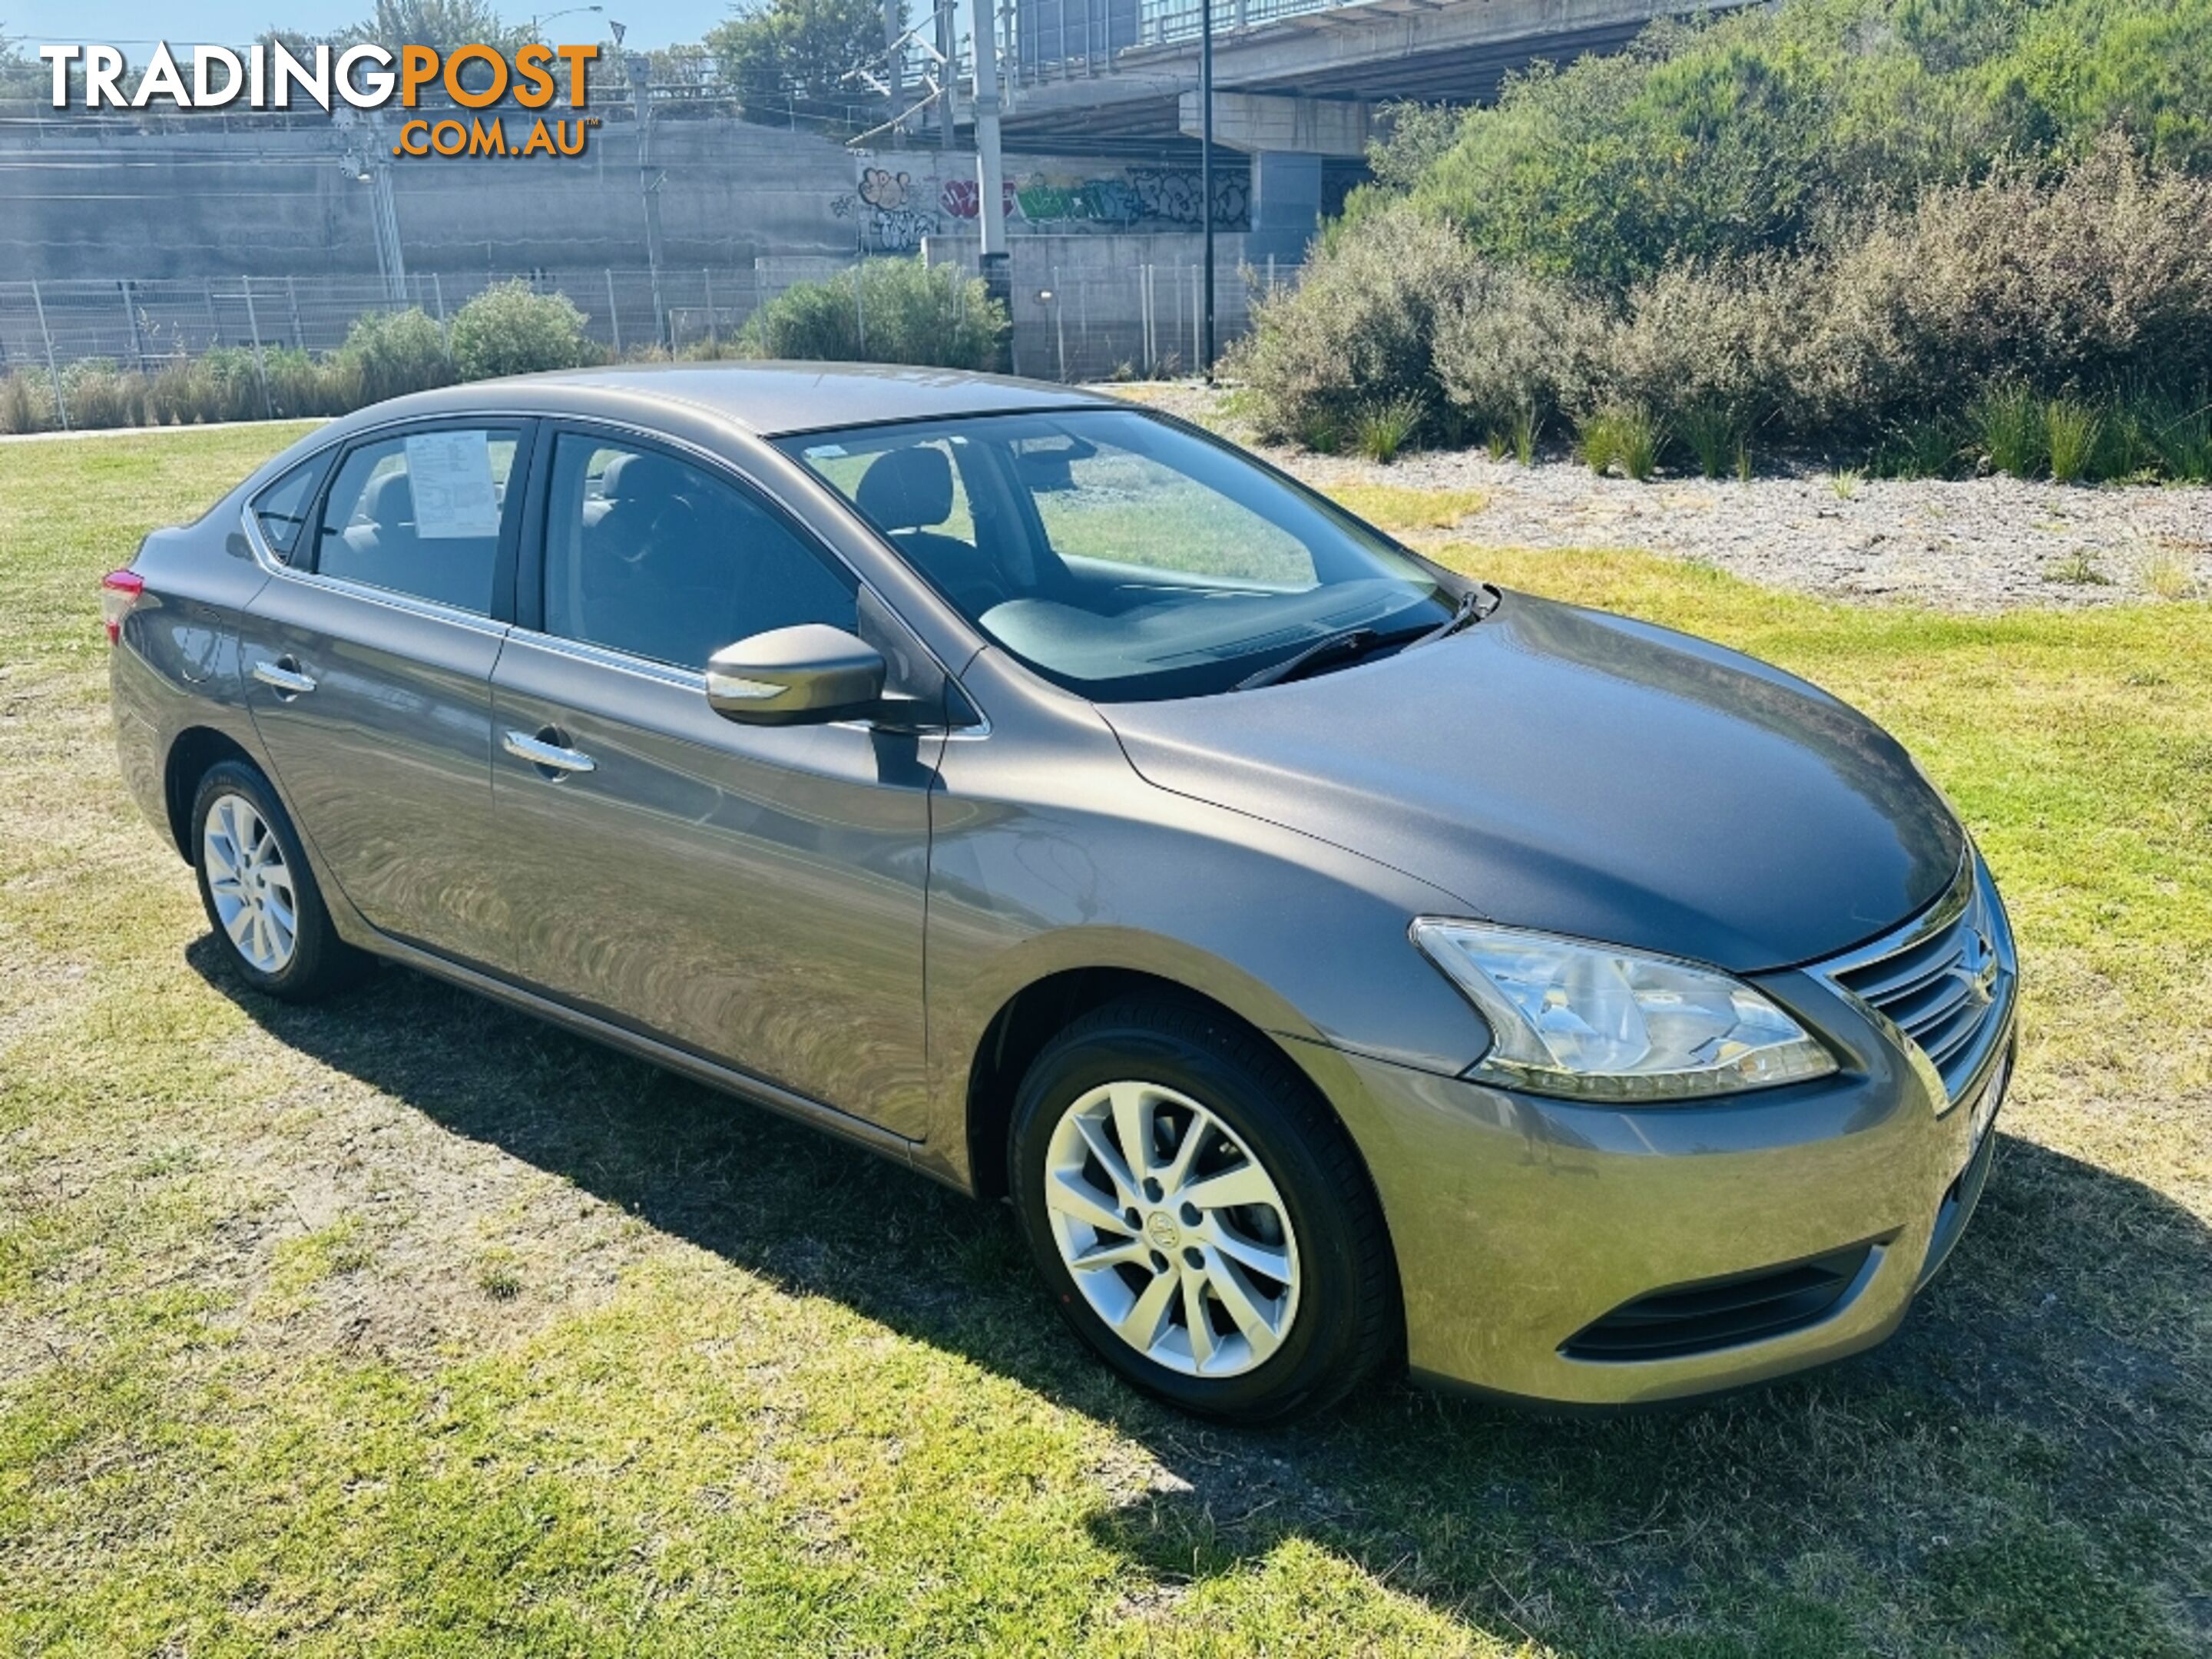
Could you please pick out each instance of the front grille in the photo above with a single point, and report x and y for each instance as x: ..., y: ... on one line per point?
x: 1945, y: 980
x: 1721, y: 1313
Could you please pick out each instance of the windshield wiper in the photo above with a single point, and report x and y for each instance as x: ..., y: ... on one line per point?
x: 1351, y: 642
x: 1472, y: 608
x: 1355, y: 642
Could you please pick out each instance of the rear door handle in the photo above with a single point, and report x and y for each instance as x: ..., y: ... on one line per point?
x: 283, y: 677
x: 547, y: 756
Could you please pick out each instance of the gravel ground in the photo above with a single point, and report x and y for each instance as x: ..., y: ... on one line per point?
x: 1977, y: 545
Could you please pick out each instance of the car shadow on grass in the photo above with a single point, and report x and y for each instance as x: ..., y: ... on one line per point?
x: 2019, y: 1470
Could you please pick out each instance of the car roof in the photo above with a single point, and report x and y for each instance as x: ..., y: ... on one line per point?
x: 771, y: 400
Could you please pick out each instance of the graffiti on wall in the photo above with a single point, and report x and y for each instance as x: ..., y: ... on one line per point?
x: 1138, y: 197
x: 894, y: 214
x: 894, y: 210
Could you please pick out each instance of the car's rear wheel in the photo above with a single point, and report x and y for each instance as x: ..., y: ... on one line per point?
x: 1200, y: 1218
x: 259, y: 894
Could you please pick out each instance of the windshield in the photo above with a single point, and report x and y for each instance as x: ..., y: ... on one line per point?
x: 1122, y: 556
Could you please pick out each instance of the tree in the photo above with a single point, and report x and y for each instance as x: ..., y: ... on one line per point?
x: 442, y: 24
x: 21, y: 76
x: 799, y: 51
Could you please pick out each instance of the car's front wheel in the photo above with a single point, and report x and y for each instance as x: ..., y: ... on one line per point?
x: 1198, y: 1215
x: 254, y: 881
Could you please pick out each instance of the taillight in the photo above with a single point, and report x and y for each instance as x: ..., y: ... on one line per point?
x: 118, y: 591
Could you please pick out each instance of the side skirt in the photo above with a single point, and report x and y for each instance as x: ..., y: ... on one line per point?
x: 728, y: 1080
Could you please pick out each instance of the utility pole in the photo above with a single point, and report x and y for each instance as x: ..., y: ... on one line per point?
x: 894, y: 77
x: 1206, y: 173
x: 991, y: 210
x: 648, y: 183
x: 946, y: 47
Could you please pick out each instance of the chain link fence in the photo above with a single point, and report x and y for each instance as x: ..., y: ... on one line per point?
x: 1070, y: 322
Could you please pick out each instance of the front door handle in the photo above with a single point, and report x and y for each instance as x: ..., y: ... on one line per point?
x: 283, y: 677
x: 547, y: 756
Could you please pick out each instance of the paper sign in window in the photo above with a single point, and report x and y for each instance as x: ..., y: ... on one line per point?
x: 450, y: 473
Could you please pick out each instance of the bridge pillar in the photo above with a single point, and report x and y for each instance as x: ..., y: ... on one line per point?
x: 1287, y: 138
x: 1285, y: 205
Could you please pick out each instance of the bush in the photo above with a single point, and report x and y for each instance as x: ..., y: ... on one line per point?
x: 1363, y: 325
x: 1517, y: 350
x: 1751, y: 133
x: 26, y: 402
x: 100, y: 395
x: 883, y: 311
x: 2010, y: 421
x: 300, y: 386
x: 510, y: 328
x: 1719, y: 347
x: 2179, y: 432
x: 1384, y: 429
x: 2099, y: 276
x: 2074, y: 434
x: 395, y: 352
x: 1627, y: 436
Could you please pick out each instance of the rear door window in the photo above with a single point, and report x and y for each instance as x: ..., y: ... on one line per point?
x: 422, y: 515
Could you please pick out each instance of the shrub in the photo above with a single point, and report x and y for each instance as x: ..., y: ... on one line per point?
x: 1384, y: 429
x: 883, y: 311
x: 1362, y: 325
x: 2179, y: 433
x: 511, y: 328
x: 1928, y: 448
x: 2073, y: 437
x: 2015, y: 437
x: 1718, y: 347
x: 300, y: 386
x: 1514, y: 346
x: 2100, y: 277
x: 99, y: 394
x: 396, y: 352
x: 26, y: 404
x: 1749, y: 132
x: 1628, y: 435
x: 1713, y: 433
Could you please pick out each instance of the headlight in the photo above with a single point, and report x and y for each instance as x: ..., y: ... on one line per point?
x: 1594, y: 1022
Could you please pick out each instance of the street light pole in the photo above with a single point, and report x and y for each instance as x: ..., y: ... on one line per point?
x: 1206, y: 171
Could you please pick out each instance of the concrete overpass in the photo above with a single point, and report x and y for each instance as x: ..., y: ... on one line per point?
x: 1296, y: 82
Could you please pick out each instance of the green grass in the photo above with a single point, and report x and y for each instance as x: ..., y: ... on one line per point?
x: 1401, y: 506
x: 407, y: 1325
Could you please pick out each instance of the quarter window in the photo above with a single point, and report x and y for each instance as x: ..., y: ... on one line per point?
x: 281, y: 508
x: 421, y: 515
x: 648, y: 554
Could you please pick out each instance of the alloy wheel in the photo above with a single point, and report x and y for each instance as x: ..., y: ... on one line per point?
x: 1172, y: 1229
x: 250, y: 882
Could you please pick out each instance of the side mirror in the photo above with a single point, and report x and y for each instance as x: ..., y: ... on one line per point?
x: 811, y: 674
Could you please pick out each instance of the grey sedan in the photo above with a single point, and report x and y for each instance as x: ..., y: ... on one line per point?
x: 1336, y: 962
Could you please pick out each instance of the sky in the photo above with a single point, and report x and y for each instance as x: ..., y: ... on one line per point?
x: 135, y: 24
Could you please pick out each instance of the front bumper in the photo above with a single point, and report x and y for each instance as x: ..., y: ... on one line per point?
x: 1520, y: 1223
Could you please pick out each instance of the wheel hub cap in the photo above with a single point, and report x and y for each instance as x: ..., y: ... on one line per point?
x: 250, y: 882
x: 1174, y: 1232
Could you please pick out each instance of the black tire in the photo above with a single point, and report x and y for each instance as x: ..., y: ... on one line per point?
x: 320, y: 963
x: 1346, y: 1322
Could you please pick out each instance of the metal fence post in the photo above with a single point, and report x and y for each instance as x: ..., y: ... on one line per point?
x: 292, y: 299
x: 859, y: 317
x: 215, y: 323
x: 438, y: 293
x: 614, y: 311
x: 260, y: 367
x: 714, y: 334
x: 131, y: 319
x: 53, y: 374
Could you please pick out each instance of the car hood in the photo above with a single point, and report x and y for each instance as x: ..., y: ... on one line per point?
x: 1562, y: 769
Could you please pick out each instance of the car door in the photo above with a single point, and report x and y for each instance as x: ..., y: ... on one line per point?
x: 368, y: 657
x: 751, y: 894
